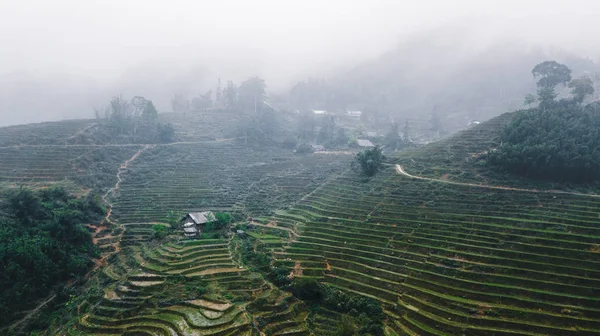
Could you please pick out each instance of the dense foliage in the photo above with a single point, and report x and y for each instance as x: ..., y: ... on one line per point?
x: 369, y: 161
x: 560, y: 142
x: 367, y: 311
x: 42, y: 243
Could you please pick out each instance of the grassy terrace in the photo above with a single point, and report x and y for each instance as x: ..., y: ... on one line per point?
x: 448, y: 259
x: 47, y: 133
x: 218, y: 176
x: 188, y: 288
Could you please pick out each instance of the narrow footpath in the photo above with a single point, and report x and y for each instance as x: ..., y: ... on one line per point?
x: 401, y: 171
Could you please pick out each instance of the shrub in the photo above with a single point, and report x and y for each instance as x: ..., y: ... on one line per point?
x: 307, y: 289
x: 160, y: 231
x: 304, y: 149
x: 369, y: 161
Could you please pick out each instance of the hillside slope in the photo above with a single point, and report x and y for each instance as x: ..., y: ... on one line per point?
x: 451, y: 258
x: 141, y: 184
x: 447, y: 247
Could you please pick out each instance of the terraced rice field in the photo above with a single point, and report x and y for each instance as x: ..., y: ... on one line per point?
x: 224, y: 176
x: 447, y: 259
x: 454, y: 157
x: 153, y: 290
x: 48, y: 133
x: 443, y: 259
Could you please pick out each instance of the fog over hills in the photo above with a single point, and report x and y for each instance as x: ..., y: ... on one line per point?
x: 66, y: 58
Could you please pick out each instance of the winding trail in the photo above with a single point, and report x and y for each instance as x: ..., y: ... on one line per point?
x: 81, y: 131
x: 124, y: 166
x: 29, y: 315
x: 275, y: 227
x: 401, y: 171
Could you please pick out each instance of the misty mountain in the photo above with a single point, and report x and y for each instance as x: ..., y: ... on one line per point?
x: 451, y: 73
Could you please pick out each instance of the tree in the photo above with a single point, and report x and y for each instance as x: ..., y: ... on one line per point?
x: 549, y: 75
x: 406, y: 134
x: 150, y: 112
x: 251, y: 93
x: 530, y: 99
x: 326, y: 132
x: 346, y: 327
x: 436, y: 123
x: 203, y: 101
x: 179, y: 103
x: 160, y: 231
x: 392, y: 138
x: 581, y: 87
x: 306, y: 126
x: 230, y: 95
x: 42, y: 244
x: 166, y: 132
x: 558, y: 143
x: 136, y: 120
x: 223, y: 219
x: 307, y: 289
x: 369, y: 161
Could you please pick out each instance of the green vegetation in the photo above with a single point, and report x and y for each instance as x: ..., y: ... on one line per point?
x: 134, y: 121
x: 557, y: 143
x: 550, y: 74
x: 369, y: 161
x: 557, y: 140
x: 160, y: 231
x: 367, y: 311
x: 411, y: 250
x: 42, y: 243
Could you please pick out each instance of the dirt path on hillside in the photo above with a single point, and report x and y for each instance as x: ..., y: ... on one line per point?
x: 109, y: 206
x: 29, y: 315
x: 81, y: 131
x: 401, y: 171
x: 274, y: 227
x: 124, y: 166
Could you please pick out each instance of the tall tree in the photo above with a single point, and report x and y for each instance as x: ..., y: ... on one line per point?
x: 203, y: 101
x: 581, y: 87
x: 529, y: 100
x: 369, y: 161
x: 230, y: 95
x: 392, y: 138
x: 179, y: 103
x: 406, y: 134
x: 549, y: 75
x: 251, y: 93
x: 435, y: 121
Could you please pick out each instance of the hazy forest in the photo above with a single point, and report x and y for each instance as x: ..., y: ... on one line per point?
x: 265, y: 168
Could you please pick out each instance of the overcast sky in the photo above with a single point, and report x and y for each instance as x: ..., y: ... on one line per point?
x: 280, y: 40
x: 276, y: 37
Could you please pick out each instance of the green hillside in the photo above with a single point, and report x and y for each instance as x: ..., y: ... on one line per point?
x: 444, y: 244
x: 452, y: 251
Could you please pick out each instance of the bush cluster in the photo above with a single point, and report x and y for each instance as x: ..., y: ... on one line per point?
x: 560, y: 142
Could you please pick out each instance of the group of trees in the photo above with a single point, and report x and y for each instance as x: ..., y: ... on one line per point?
x: 42, y: 243
x: 394, y: 141
x: 136, y: 119
x: 549, y: 75
x: 558, y: 140
x: 259, y: 121
x: 369, y: 161
x: 367, y: 312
